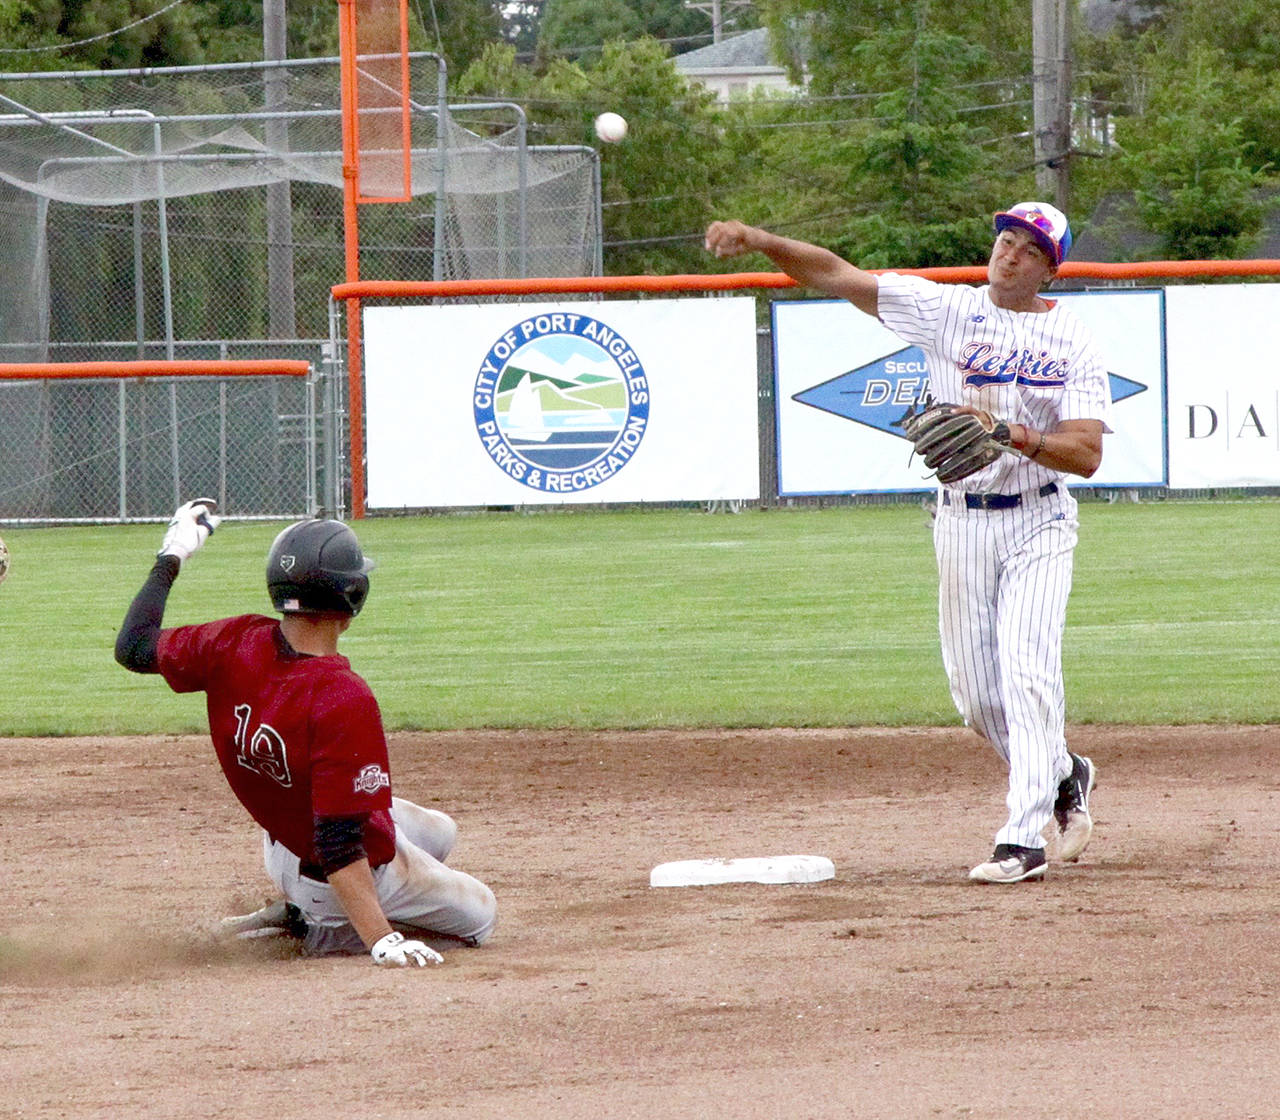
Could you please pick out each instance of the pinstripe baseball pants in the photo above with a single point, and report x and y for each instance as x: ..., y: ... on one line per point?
x: 1004, y: 580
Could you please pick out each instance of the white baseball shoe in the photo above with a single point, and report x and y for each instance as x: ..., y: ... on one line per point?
x: 1071, y: 810
x: 1010, y: 863
x: 277, y: 919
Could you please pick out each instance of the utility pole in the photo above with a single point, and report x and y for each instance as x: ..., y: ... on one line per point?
x: 715, y: 9
x: 1051, y: 49
x: 282, y: 317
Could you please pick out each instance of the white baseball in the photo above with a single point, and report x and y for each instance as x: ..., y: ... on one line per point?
x: 611, y: 127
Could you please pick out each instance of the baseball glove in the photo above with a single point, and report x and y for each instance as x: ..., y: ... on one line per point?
x: 954, y: 444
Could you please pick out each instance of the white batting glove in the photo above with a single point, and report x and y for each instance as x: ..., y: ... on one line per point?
x: 394, y: 951
x: 190, y: 527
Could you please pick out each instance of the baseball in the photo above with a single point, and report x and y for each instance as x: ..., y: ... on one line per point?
x: 4, y: 561
x: 611, y: 127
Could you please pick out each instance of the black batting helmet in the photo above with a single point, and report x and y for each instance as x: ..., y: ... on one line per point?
x: 316, y: 567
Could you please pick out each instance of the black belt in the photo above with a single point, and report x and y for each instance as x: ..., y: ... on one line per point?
x: 995, y: 501
x: 316, y: 872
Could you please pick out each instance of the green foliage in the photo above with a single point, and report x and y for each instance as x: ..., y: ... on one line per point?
x: 684, y: 28
x: 12, y: 13
x: 231, y: 30
x: 648, y: 618
x: 170, y: 39
x: 895, y: 171
x: 457, y: 29
x: 916, y: 129
x: 660, y: 184
x: 579, y: 28
x: 1184, y: 157
x: 520, y: 22
x: 568, y: 26
x: 832, y: 35
x: 212, y: 31
x: 1246, y: 32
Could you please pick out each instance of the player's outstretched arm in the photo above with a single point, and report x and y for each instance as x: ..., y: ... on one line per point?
x: 188, y: 529
x: 140, y: 631
x: 810, y: 265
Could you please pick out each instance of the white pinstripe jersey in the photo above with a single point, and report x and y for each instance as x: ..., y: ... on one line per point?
x: 1034, y: 368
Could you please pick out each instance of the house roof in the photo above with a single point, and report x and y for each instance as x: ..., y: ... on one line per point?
x: 1114, y: 232
x: 749, y: 49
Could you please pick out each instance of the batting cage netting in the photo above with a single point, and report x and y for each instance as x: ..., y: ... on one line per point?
x: 198, y: 213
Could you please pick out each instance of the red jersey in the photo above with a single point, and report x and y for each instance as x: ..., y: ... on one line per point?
x: 297, y: 736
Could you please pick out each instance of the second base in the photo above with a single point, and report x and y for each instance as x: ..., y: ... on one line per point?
x: 756, y: 869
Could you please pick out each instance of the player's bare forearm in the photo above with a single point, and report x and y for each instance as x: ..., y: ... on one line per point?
x: 355, y: 889
x: 1074, y: 446
x: 809, y: 265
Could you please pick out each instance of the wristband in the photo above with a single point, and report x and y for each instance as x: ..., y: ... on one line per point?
x: 1039, y: 448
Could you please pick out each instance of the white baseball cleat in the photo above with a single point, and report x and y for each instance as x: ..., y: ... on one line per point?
x: 277, y: 919
x: 1010, y: 863
x: 1071, y: 810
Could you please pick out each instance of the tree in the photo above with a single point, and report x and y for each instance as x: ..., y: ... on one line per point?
x: 213, y: 31
x: 590, y: 24
x: 680, y: 27
x: 661, y: 185
x: 1187, y: 161
x: 114, y: 34
x: 827, y: 33
x: 459, y: 30
x: 580, y: 28
x: 894, y: 166
x: 1246, y: 36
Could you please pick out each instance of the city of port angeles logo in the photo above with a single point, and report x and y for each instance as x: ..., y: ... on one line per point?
x: 561, y: 402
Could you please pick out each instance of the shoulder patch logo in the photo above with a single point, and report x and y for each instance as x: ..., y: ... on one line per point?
x: 561, y: 402
x: 371, y: 779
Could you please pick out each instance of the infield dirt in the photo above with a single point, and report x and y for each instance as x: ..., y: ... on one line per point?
x: 1141, y: 982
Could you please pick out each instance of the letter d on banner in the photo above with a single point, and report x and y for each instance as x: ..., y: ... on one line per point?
x: 1192, y: 433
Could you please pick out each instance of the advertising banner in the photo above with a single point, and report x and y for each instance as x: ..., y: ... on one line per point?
x: 557, y: 403
x: 842, y: 379
x: 1224, y: 385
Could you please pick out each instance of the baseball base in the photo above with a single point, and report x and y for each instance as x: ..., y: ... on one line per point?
x: 757, y: 869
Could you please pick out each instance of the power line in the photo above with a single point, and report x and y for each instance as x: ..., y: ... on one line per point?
x: 92, y: 38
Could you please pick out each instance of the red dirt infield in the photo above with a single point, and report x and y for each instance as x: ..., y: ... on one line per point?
x: 1143, y: 981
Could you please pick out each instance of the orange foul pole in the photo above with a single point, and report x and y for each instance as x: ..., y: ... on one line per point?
x: 351, y: 244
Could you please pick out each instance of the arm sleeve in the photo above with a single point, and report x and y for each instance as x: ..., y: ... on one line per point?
x: 136, y: 642
x: 339, y: 841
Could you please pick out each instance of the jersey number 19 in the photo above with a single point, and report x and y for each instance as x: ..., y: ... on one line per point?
x: 263, y: 751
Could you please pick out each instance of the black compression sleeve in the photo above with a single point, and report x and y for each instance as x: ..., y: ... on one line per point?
x: 339, y: 841
x: 136, y: 642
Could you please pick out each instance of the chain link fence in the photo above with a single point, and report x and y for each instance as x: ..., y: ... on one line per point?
x: 199, y: 212
x: 126, y: 448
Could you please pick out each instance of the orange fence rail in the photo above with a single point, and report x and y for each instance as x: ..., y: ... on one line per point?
x: 78, y: 371
x: 732, y: 281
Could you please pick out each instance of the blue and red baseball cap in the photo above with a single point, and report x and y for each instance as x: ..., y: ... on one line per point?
x: 1047, y: 224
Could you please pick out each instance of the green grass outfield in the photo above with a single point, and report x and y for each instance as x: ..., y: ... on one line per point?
x: 672, y: 618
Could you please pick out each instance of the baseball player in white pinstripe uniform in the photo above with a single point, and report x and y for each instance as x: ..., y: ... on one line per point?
x: 1004, y: 536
